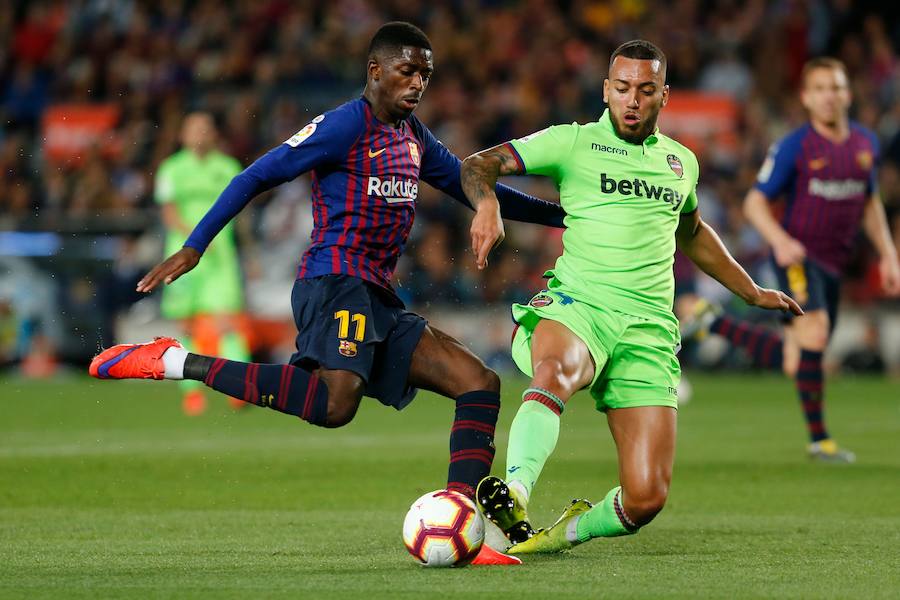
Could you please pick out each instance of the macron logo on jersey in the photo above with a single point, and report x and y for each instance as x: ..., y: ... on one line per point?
x: 610, y: 149
x: 636, y: 186
x: 393, y: 189
x: 837, y: 189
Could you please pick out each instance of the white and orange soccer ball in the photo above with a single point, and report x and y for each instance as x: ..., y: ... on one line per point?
x: 443, y: 529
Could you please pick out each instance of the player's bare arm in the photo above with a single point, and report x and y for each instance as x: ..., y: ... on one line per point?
x: 788, y: 251
x: 876, y: 228
x: 478, y: 175
x: 170, y: 269
x: 702, y: 245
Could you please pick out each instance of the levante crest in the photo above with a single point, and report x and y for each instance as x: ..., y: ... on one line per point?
x: 675, y: 164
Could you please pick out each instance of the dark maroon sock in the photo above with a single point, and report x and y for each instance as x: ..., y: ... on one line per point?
x: 472, y: 440
x: 764, y: 346
x: 285, y: 388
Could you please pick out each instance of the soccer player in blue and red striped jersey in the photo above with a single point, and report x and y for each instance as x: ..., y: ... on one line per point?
x: 827, y: 169
x: 355, y: 337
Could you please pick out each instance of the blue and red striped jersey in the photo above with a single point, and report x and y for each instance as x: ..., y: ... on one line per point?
x: 365, y: 181
x: 826, y: 185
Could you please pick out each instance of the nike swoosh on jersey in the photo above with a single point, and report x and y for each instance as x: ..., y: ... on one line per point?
x: 818, y: 163
x: 374, y: 154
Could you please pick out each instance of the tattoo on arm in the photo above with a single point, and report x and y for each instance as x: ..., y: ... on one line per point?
x: 480, y: 171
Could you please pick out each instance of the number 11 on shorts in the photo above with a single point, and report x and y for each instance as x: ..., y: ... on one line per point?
x: 344, y: 319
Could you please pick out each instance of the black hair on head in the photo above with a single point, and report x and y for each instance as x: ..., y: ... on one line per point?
x: 641, y: 50
x: 391, y: 37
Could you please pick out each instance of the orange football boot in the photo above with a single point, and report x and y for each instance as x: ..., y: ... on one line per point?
x: 489, y: 556
x: 132, y: 361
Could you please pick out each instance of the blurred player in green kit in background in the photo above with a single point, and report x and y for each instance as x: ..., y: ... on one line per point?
x: 207, y: 301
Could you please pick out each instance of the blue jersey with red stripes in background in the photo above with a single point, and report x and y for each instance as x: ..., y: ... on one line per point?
x: 365, y: 181
x: 827, y: 185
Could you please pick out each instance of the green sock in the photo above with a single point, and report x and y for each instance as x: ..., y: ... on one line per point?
x: 604, y: 520
x: 532, y: 437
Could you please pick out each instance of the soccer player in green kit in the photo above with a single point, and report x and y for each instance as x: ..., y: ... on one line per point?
x: 605, y: 321
x: 208, y: 300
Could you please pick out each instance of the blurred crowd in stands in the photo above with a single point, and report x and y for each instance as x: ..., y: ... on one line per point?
x: 503, y: 69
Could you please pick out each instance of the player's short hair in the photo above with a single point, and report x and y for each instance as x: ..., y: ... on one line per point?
x: 393, y: 36
x: 822, y: 62
x: 641, y: 50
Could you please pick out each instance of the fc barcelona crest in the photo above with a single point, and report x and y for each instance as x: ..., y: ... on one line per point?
x: 347, y: 348
x: 675, y: 164
x: 864, y: 159
x: 414, y: 152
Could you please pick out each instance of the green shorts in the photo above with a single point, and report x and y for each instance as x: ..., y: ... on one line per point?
x: 213, y: 287
x: 634, y: 357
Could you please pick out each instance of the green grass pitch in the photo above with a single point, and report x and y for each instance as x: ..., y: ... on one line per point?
x: 106, y: 490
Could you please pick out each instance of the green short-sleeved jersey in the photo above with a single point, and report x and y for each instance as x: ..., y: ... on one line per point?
x: 193, y: 184
x: 623, y: 202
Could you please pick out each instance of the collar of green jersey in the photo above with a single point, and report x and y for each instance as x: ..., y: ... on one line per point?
x: 606, y: 122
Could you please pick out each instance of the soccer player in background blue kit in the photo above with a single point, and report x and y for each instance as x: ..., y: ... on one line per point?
x: 355, y: 336
x: 827, y: 169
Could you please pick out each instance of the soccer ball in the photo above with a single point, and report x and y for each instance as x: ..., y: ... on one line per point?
x: 443, y: 529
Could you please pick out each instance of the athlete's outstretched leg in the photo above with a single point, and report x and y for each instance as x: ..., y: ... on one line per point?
x: 328, y: 398
x: 810, y: 334
x: 645, y: 440
x: 441, y: 364
x: 764, y: 346
x: 562, y: 365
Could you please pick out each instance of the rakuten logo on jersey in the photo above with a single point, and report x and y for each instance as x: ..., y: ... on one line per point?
x: 641, y: 189
x: 393, y: 189
x: 837, y: 189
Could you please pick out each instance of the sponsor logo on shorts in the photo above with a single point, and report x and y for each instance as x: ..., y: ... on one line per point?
x: 673, y: 391
x: 675, y: 164
x: 347, y: 348
x: 541, y: 300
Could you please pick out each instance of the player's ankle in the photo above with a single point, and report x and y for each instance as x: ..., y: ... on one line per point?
x: 521, y: 491
x: 173, y: 362
x: 572, y: 532
x: 197, y: 366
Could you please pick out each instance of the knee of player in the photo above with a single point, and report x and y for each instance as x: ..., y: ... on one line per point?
x: 488, y: 380
x: 814, y: 336
x: 339, y: 414
x: 644, y: 502
x: 342, y: 405
x: 475, y: 379
x: 819, y: 340
x: 551, y: 374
